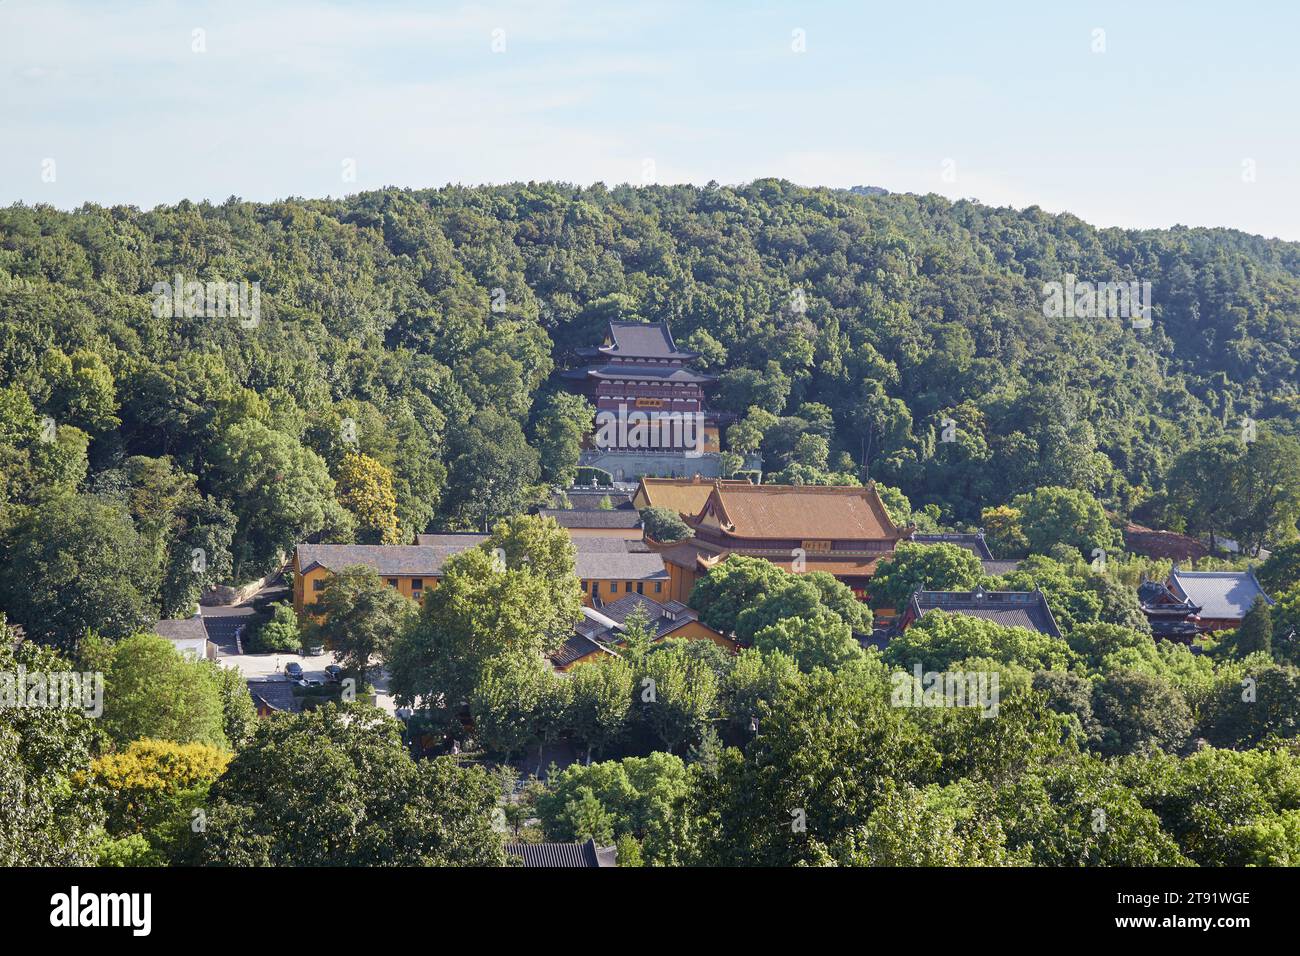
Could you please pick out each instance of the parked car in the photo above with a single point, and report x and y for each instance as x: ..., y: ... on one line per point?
x: 293, y: 670
x: 334, y: 674
x: 314, y: 650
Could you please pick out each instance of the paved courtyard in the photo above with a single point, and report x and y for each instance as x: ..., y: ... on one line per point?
x: 313, y: 668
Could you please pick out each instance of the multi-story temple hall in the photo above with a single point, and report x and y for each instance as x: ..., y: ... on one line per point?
x: 650, y: 406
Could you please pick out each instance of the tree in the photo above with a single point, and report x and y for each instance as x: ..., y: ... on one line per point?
x: 358, y: 617
x: 281, y: 492
x: 1261, y: 708
x: 1265, y: 491
x: 1051, y: 516
x: 1281, y: 571
x: 1255, y: 635
x: 643, y: 798
x: 821, y: 762
x: 507, y: 702
x: 189, y: 533
x: 752, y: 684
x: 949, y: 826
x: 730, y: 587
x: 676, y: 693
x: 565, y: 419
x: 744, y: 595
x: 336, y: 787
x: 479, y: 610
x: 1003, y: 532
x: 664, y: 525
x: 822, y: 640
x: 914, y: 567
x: 599, y: 703
x: 82, y: 391
x: 941, y: 639
x: 280, y: 633
x: 71, y: 565
x: 1139, y: 713
x: 44, y: 819
x: 238, y: 715
x: 493, y: 470
x: 365, y: 488
x: 150, y: 690
x: 1080, y: 812
x: 152, y: 787
x: 1249, y: 489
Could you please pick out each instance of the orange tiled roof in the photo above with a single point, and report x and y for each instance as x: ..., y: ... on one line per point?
x: 805, y: 512
x: 683, y: 495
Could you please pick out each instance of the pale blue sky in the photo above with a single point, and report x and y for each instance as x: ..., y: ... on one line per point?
x: 1010, y: 97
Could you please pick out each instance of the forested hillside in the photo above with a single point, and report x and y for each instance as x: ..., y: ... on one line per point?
x: 400, y: 371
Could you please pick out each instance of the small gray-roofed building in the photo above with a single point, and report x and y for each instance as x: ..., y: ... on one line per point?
x: 182, y: 629
x: 1026, y: 609
x: 973, y: 543
x: 271, y: 694
x: 189, y: 635
x: 614, y: 518
x: 620, y: 566
x: 1223, y: 596
x: 563, y: 854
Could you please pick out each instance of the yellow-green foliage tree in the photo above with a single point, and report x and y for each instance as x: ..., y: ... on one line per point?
x: 1003, y: 532
x: 365, y: 488
x: 152, y: 789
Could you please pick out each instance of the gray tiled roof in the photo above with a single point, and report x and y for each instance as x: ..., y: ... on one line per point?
x: 563, y: 854
x: 589, y: 499
x: 182, y: 629
x: 648, y: 339
x: 1221, y: 594
x: 973, y: 543
x: 1027, y: 609
x: 664, y: 373
x: 401, y: 559
x: 278, y: 694
x: 658, y: 612
x: 611, y: 565
x: 614, y: 518
x: 452, y: 539
x: 578, y: 646
x: 609, y: 543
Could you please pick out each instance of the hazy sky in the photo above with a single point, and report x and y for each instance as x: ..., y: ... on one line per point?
x: 1188, y: 113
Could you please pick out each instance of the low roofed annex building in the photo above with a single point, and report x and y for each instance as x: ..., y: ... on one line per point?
x: 844, y: 531
x: 1027, y: 609
x: 600, y: 631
